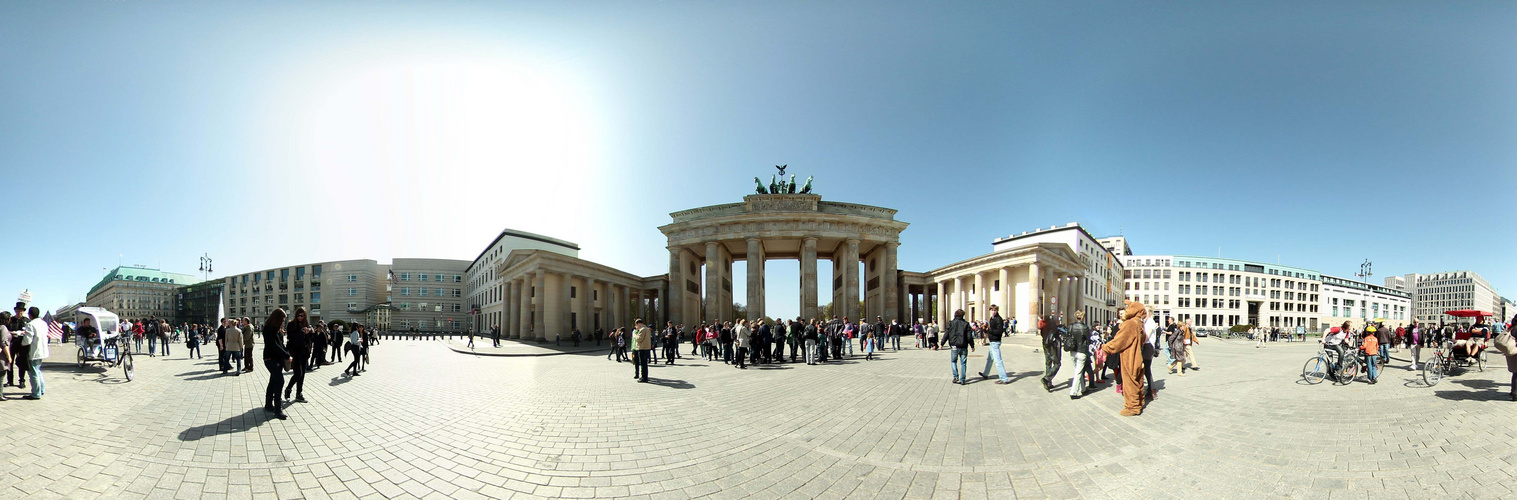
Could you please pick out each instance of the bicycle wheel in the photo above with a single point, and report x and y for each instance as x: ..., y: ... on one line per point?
x: 1315, y: 370
x: 1348, y: 370
x: 1480, y: 360
x: 1432, y: 372
x: 81, y: 357
x: 126, y: 365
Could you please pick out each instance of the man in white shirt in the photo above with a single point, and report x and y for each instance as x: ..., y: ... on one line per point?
x: 36, y: 337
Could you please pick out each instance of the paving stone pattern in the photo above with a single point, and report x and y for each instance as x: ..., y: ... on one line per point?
x: 428, y: 422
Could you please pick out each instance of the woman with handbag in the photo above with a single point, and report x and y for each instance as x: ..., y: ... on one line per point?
x: 299, y: 347
x: 274, y: 358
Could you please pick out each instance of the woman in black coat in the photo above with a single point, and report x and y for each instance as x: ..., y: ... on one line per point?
x: 274, y: 357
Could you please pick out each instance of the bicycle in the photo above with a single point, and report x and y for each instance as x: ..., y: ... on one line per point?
x: 1330, y: 363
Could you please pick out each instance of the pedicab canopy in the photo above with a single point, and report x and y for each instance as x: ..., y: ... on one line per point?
x: 1467, y: 313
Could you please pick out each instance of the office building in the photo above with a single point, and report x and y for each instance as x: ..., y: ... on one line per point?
x: 1433, y: 294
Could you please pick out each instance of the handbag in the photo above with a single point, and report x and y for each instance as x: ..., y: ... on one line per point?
x: 1506, y: 343
x: 288, y: 364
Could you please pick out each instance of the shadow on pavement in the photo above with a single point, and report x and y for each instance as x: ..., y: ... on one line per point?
x: 237, y: 423
x: 339, y: 380
x: 671, y: 383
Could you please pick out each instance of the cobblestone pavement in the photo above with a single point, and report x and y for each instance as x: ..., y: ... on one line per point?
x: 426, y: 422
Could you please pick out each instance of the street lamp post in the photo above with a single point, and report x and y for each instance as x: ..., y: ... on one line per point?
x: 205, y: 266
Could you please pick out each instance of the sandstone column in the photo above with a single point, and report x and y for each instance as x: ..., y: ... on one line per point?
x: 755, y: 260
x: 980, y: 311
x: 851, y: 280
x: 808, y: 278
x: 942, y: 311
x: 587, y: 311
x: 956, y: 301
x: 1004, y: 275
x: 508, y: 330
x: 674, y: 299
x: 519, y: 299
x: 713, y: 281
x: 539, y: 300
x: 891, y: 290
x: 1035, y: 286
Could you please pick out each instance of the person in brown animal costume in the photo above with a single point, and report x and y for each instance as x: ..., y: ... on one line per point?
x: 1127, y: 344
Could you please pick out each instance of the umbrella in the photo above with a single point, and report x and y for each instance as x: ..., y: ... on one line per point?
x: 1467, y: 313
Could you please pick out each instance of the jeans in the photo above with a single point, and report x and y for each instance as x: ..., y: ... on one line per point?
x: 1369, y: 360
x: 152, y: 346
x: 895, y: 342
x: 742, y: 357
x: 640, y: 364
x: 994, y: 357
x: 810, y: 352
x: 166, y: 346
x: 234, y: 356
x: 39, y: 387
x: 1082, y: 367
x: 850, y: 346
x: 195, y: 351
x: 959, y: 358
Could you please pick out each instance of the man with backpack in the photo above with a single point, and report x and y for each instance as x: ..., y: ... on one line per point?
x: 957, y: 338
x: 1077, y: 342
x: 1052, y: 357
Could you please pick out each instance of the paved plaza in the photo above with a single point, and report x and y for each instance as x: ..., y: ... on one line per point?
x: 429, y: 422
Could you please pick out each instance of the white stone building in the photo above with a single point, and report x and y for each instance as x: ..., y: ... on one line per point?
x: 484, y: 288
x: 1213, y: 292
x: 1357, y: 302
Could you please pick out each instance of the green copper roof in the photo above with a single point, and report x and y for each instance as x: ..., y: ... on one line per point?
x: 145, y: 275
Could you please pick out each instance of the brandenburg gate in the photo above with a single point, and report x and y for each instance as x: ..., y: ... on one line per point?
x: 782, y: 226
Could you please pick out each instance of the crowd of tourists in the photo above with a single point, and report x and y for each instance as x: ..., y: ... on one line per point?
x: 754, y: 342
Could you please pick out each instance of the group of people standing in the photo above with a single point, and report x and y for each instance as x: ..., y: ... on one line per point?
x: 23, y: 346
x: 743, y: 342
x: 1126, y: 346
x: 297, y: 345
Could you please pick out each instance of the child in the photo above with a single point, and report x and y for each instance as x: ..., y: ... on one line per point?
x: 1371, y: 349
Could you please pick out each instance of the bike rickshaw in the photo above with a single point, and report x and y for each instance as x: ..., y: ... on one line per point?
x: 109, y: 347
x: 1462, y: 351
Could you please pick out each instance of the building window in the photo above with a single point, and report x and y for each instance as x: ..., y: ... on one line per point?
x: 284, y: 299
x: 405, y: 276
x: 352, y: 292
x: 421, y: 276
x: 405, y: 292
x: 352, y: 278
x: 315, y: 297
x: 458, y: 278
x: 439, y: 278
x: 573, y: 291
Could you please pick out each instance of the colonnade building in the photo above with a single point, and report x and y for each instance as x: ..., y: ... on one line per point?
x: 485, y: 290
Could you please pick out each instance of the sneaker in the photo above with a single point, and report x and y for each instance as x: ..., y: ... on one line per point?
x: 300, y: 399
x: 1002, y: 382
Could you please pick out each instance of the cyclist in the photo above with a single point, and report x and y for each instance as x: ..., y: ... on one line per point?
x: 1336, y: 341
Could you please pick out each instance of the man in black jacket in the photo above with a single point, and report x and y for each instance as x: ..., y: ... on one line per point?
x: 1052, y: 357
x: 993, y: 331
x: 957, y: 338
x: 1077, y: 343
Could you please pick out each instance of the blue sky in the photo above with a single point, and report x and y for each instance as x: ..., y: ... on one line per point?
x: 279, y: 133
